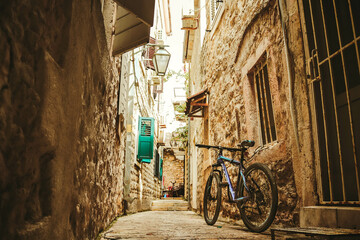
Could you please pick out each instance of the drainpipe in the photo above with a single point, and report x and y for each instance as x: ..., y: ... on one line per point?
x: 188, y: 162
x: 284, y: 18
x: 189, y: 144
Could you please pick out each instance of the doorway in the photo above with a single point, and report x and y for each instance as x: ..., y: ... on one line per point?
x: 333, y: 65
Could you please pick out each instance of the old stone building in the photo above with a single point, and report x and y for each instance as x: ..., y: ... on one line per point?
x: 64, y: 82
x: 285, y: 74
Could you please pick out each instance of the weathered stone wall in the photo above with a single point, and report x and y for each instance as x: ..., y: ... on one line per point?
x: 245, y: 32
x: 60, y: 166
x: 144, y: 187
x: 150, y: 185
x: 173, y: 170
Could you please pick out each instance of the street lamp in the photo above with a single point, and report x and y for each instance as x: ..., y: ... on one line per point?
x: 161, y: 60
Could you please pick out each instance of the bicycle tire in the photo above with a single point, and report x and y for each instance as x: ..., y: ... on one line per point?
x: 212, y: 194
x: 263, y: 197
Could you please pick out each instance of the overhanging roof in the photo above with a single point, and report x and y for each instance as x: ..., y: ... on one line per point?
x: 132, y: 26
x: 196, y: 103
x: 142, y: 9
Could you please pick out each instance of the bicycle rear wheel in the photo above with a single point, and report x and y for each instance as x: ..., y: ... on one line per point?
x: 258, y: 212
x: 212, y: 199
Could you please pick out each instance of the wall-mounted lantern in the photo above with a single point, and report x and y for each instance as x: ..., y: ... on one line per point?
x: 161, y: 60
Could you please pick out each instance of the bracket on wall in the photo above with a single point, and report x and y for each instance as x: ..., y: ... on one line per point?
x: 196, y: 103
x: 160, y: 144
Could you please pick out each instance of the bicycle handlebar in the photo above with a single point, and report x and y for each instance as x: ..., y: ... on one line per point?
x: 242, y: 145
x: 245, y: 143
x: 205, y: 146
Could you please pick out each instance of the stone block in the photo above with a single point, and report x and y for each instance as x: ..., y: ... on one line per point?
x: 334, y: 217
x: 348, y: 217
x: 169, y: 205
x: 317, y: 216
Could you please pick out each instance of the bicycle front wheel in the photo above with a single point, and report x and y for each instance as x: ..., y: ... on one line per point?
x: 212, y: 199
x: 258, y: 211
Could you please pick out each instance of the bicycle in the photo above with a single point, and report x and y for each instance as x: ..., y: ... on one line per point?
x: 256, y: 192
x: 172, y: 190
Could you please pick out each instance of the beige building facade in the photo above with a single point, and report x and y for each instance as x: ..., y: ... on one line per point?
x: 285, y: 74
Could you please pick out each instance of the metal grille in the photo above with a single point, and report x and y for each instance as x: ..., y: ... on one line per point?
x: 214, y: 8
x: 333, y: 34
x: 265, y: 110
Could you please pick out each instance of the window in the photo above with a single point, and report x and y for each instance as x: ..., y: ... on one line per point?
x: 158, y: 166
x: 215, y: 9
x: 215, y: 6
x: 265, y: 109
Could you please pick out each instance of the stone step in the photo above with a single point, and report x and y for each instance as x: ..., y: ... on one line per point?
x: 328, y: 233
x: 171, y: 198
x: 330, y: 217
x: 169, y: 205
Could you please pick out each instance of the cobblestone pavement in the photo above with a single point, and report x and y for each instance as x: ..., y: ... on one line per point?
x: 175, y: 225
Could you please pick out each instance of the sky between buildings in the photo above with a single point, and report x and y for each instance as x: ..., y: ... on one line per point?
x: 175, y: 42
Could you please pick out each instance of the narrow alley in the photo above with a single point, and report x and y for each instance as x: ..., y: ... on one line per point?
x: 175, y: 225
x: 170, y: 220
x: 168, y: 119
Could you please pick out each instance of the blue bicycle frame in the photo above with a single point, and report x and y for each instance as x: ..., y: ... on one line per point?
x: 221, y: 162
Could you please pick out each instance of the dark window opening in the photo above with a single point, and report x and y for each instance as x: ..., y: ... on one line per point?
x: 266, y: 114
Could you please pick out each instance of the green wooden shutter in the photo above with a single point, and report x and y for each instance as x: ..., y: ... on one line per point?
x: 146, y: 139
x: 146, y: 160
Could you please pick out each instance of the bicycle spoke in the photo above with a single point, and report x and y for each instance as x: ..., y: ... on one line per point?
x: 258, y: 208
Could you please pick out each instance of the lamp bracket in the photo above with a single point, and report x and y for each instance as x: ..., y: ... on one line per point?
x: 148, y: 45
x: 156, y: 45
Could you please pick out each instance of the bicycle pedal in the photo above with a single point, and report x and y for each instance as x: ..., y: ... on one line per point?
x: 224, y: 184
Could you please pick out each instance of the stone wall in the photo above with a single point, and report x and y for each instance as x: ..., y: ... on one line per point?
x: 173, y: 170
x: 144, y: 187
x: 60, y: 163
x: 224, y: 64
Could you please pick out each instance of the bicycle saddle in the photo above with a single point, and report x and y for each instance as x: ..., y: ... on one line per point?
x: 247, y: 143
